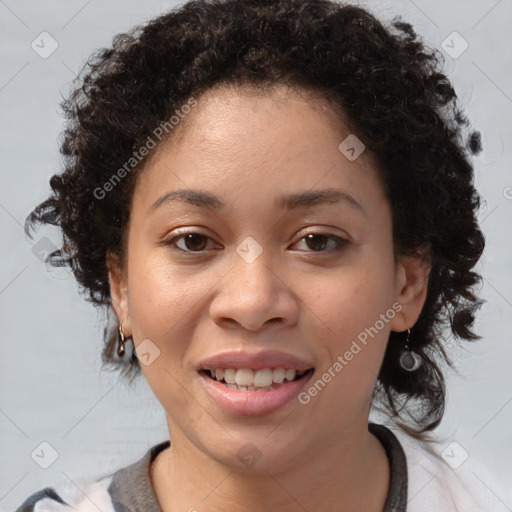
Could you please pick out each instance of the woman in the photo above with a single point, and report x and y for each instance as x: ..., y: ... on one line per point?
x: 276, y: 201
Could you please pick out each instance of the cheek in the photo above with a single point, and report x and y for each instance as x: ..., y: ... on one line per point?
x: 161, y: 305
x: 158, y: 301
x: 345, y: 318
x: 350, y: 339
x: 351, y: 299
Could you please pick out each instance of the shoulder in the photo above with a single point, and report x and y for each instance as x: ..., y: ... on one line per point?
x: 129, y: 488
x: 85, y: 496
x: 433, y: 484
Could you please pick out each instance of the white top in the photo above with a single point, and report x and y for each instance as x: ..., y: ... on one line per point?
x: 445, y: 480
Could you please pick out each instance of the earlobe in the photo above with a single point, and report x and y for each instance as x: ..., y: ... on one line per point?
x: 411, y: 292
x: 118, y: 293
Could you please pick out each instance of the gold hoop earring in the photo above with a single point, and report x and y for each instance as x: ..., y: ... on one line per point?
x: 121, y: 341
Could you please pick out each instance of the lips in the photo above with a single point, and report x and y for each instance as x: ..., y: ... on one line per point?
x: 246, y: 384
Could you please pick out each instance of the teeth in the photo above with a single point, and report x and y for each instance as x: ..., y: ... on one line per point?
x: 289, y: 374
x: 278, y: 375
x: 229, y: 376
x: 245, y: 379
x: 263, y: 378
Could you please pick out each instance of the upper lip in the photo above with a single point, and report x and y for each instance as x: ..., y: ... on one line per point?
x: 255, y: 360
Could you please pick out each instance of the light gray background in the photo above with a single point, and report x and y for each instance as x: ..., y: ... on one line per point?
x: 51, y: 386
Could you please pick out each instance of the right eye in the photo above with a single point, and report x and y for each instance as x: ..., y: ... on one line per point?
x: 190, y: 242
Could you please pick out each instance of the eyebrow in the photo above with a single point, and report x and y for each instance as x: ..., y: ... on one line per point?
x: 295, y: 201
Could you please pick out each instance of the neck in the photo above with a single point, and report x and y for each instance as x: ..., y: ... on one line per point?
x: 348, y: 473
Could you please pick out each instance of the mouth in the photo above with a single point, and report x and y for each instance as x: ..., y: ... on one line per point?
x: 249, y: 380
x: 244, y: 383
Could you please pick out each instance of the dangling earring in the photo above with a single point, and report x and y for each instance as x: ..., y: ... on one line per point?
x: 121, y: 341
x: 409, y: 360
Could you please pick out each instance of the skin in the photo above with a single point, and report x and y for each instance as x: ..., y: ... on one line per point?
x: 248, y: 148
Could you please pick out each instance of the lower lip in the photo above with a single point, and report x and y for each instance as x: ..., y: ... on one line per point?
x: 253, y: 403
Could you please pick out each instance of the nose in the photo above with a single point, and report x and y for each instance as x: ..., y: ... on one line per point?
x: 254, y: 296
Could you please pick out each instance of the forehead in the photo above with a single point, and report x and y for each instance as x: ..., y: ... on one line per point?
x: 249, y: 140
x: 217, y: 106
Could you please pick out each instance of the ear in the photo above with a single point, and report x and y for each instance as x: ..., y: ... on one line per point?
x: 411, y: 289
x: 118, y: 292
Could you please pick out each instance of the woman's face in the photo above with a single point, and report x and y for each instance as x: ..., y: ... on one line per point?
x: 276, y: 252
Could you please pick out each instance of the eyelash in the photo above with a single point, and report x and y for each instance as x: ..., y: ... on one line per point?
x: 340, y: 242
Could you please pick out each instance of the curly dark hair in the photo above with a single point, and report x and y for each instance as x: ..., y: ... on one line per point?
x: 393, y: 95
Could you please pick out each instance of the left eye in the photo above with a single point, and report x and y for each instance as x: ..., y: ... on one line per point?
x: 318, y: 241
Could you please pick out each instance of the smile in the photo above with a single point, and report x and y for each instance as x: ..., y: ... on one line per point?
x: 247, y: 392
x: 245, y: 379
